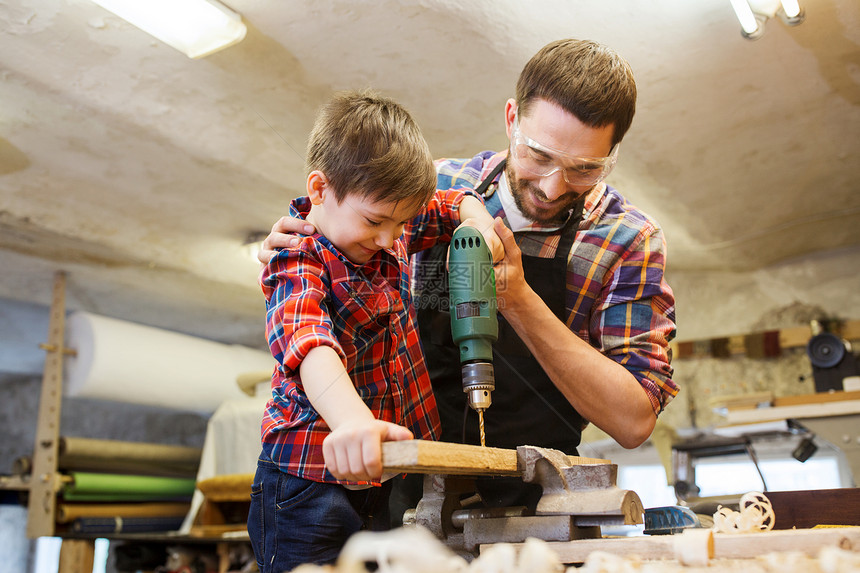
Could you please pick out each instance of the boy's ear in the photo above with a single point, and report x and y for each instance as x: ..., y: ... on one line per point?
x: 317, y: 185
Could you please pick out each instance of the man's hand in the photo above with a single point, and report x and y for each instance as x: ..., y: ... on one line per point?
x: 353, y: 451
x: 283, y: 235
x: 510, y: 281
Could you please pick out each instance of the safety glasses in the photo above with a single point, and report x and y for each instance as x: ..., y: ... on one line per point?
x: 543, y: 161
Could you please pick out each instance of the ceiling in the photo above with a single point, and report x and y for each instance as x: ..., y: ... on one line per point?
x: 140, y: 172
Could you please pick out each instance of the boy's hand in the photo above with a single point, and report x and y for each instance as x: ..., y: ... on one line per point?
x: 284, y: 234
x: 353, y: 451
x: 488, y: 231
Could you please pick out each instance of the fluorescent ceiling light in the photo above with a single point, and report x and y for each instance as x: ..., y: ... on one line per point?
x: 791, y: 8
x: 195, y: 27
x: 745, y: 16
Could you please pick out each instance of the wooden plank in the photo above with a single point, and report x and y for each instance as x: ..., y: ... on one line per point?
x: 68, y: 512
x: 850, y: 330
x: 794, y: 337
x: 808, y: 508
x: 823, y: 410
x: 42, y: 502
x: 427, y: 457
x: 228, y: 487
x: 817, y: 398
x: 218, y: 530
x: 76, y: 556
x: 726, y: 545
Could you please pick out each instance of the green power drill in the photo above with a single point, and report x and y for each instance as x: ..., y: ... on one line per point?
x: 474, y: 327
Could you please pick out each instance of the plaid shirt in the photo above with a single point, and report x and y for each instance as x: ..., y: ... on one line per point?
x: 617, y: 299
x: 316, y: 297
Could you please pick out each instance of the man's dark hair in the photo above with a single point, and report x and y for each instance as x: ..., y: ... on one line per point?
x: 589, y: 80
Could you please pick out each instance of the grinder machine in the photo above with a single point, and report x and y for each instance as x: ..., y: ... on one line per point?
x: 474, y: 327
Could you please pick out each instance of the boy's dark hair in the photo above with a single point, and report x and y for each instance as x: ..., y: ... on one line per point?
x: 368, y: 145
x: 591, y: 81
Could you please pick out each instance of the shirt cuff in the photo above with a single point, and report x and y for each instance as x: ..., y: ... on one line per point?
x: 304, y: 340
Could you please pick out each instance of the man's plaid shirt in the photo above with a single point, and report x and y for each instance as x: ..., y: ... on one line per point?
x: 315, y: 296
x: 617, y: 299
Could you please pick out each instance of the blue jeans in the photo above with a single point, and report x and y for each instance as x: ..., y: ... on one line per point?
x: 294, y: 520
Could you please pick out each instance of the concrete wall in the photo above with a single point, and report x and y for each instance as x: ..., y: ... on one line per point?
x: 719, y: 304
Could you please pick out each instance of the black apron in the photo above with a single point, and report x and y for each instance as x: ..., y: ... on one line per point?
x: 527, y: 408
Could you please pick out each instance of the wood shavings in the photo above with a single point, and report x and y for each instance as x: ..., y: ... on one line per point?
x: 416, y: 550
x: 395, y: 551
x: 694, y: 547
x: 500, y: 558
x: 603, y: 562
x: 756, y: 514
x: 836, y: 560
x: 829, y: 560
x: 535, y: 555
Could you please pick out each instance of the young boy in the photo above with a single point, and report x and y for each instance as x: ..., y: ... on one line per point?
x: 340, y: 324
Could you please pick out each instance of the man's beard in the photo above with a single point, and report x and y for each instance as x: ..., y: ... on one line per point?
x: 520, y: 188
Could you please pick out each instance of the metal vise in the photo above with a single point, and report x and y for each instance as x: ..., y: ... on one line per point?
x: 576, y: 501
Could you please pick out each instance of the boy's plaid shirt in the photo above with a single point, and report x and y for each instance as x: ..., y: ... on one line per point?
x: 315, y: 296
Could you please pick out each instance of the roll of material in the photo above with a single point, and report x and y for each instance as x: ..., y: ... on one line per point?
x: 127, y: 362
x: 67, y: 512
x: 87, y: 454
x: 86, y: 486
x: 103, y: 525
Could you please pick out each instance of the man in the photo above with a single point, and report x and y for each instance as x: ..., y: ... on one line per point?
x: 586, y: 316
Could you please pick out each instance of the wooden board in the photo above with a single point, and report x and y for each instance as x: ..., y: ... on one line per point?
x: 800, y: 411
x: 808, y: 508
x: 426, y: 457
x: 68, y: 512
x: 227, y: 487
x: 726, y: 545
x: 817, y: 398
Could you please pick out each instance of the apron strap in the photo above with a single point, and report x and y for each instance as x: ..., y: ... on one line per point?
x: 485, y: 184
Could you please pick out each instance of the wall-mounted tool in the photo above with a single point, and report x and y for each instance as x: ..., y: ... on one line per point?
x: 832, y: 360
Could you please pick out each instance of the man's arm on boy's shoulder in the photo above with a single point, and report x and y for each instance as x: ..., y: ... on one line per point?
x: 285, y: 233
x: 353, y: 449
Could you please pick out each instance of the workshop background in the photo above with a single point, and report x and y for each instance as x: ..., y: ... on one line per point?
x: 144, y: 174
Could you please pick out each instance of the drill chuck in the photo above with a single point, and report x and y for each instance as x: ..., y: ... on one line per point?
x: 478, y: 384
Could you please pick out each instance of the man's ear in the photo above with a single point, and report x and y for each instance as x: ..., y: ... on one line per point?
x: 317, y: 187
x: 510, y: 115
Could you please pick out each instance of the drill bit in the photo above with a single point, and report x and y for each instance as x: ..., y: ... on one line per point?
x: 481, y: 423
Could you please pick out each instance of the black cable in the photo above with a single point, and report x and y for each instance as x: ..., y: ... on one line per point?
x: 754, y: 459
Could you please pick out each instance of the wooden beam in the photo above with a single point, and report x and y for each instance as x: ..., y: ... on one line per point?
x: 45, y: 480
x: 427, y: 457
x: 817, y: 398
x: 726, y: 545
x: 76, y: 556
